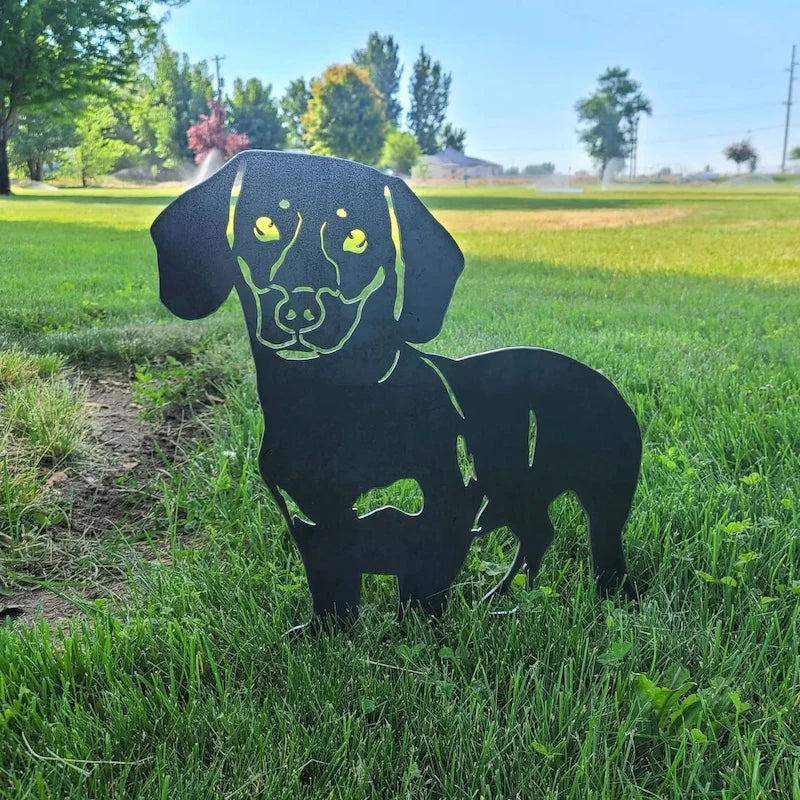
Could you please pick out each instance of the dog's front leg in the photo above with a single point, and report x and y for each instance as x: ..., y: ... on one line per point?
x: 332, y: 570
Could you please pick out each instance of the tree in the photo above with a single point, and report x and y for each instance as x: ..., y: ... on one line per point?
x: 41, y: 138
x: 453, y: 138
x: 401, y: 152
x: 254, y: 112
x: 51, y: 50
x: 546, y: 168
x: 430, y: 93
x: 211, y: 133
x: 610, y: 116
x: 97, y: 150
x: 739, y: 152
x: 294, y: 104
x: 794, y: 155
x: 345, y: 115
x: 169, y: 101
x: 379, y: 59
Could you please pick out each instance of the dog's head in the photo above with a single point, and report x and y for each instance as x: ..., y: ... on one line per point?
x: 330, y: 251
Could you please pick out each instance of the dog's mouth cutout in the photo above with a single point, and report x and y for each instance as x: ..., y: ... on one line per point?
x: 330, y: 326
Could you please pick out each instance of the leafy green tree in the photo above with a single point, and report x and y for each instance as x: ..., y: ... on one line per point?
x: 454, y: 138
x: 41, y: 139
x: 52, y: 50
x: 253, y: 111
x: 430, y: 93
x: 294, y: 104
x: 545, y: 168
x: 401, y: 152
x: 345, y: 116
x: 169, y: 101
x: 609, y: 116
x: 96, y: 151
x: 741, y: 152
x: 379, y: 59
x: 794, y: 155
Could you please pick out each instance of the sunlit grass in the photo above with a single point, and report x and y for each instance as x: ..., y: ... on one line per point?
x: 193, y: 689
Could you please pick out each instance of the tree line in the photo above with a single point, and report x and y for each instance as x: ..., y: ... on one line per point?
x: 92, y: 86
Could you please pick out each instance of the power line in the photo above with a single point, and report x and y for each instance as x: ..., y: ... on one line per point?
x: 718, y: 135
x: 792, y: 65
x: 712, y: 135
x: 659, y: 116
x: 701, y: 111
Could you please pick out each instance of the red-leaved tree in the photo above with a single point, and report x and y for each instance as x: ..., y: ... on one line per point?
x: 210, y: 134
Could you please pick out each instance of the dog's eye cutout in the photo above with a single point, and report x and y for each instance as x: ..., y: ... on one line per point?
x: 356, y: 241
x: 266, y: 230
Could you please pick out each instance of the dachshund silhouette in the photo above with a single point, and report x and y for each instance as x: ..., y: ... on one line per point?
x: 341, y: 271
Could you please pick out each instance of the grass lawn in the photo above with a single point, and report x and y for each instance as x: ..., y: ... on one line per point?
x: 687, y: 298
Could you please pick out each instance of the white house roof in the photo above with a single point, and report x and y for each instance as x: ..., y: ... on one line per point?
x: 451, y: 157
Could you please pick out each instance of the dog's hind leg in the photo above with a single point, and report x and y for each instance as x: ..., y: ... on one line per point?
x: 534, y: 534
x: 607, y: 515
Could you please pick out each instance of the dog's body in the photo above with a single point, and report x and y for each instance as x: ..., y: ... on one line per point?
x: 350, y: 406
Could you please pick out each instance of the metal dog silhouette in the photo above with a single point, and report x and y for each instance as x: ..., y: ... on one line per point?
x: 340, y: 270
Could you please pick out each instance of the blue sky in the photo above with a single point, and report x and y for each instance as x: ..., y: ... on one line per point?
x: 715, y: 71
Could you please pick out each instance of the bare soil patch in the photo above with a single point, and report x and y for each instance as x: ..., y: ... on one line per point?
x: 101, y: 493
x: 520, y: 221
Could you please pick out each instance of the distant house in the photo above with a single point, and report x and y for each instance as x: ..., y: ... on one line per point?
x: 453, y: 164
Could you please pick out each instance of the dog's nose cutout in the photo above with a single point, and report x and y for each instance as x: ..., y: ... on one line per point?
x: 301, y: 311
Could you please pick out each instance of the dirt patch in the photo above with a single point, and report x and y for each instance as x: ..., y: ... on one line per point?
x: 100, y: 493
x: 25, y: 606
x: 522, y: 221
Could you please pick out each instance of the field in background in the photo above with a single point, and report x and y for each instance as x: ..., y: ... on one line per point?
x: 687, y: 298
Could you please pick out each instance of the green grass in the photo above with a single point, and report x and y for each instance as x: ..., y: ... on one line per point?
x: 191, y: 689
x: 42, y: 422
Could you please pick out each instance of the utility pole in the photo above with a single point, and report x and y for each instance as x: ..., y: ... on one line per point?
x: 788, y: 105
x: 220, y: 81
x: 634, y: 145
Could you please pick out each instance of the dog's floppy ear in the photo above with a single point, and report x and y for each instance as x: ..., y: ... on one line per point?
x: 428, y: 263
x: 195, y: 275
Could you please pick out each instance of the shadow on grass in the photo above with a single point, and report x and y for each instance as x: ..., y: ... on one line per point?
x: 135, y: 198
x: 480, y: 201
x: 581, y: 202
x: 442, y: 202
